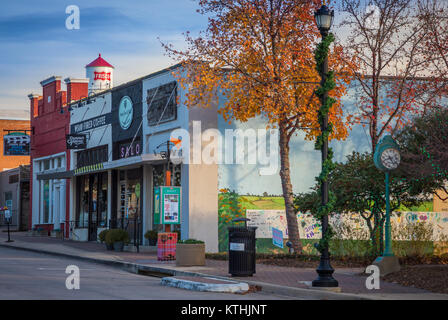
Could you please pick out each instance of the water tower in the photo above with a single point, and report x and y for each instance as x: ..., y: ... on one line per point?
x: 100, y: 74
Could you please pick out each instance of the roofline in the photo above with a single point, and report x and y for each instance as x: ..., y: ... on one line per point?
x: 50, y: 80
x: 76, y: 80
x: 151, y: 75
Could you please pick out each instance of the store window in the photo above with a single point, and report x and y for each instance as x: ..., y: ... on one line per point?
x: 46, y: 201
x: 92, y: 200
x: 82, y: 218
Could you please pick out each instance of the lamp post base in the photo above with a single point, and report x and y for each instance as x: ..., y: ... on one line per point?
x: 324, y: 276
x: 387, y: 264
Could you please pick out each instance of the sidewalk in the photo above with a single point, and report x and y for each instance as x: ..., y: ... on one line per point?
x: 274, y: 279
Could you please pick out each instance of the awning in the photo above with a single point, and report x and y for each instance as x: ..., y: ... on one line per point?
x: 146, y: 158
x: 56, y: 175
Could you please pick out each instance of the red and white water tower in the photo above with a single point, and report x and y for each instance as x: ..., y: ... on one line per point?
x: 100, y: 74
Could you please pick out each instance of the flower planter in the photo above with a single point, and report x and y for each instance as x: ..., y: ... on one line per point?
x: 190, y: 254
x: 118, y: 246
x: 109, y: 246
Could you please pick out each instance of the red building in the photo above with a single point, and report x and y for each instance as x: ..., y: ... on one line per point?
x: 50, y: 122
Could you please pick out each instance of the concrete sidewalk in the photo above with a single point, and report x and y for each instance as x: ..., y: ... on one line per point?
x: 273, y: 279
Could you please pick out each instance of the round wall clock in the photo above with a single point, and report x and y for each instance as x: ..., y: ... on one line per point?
x: 125, y: 112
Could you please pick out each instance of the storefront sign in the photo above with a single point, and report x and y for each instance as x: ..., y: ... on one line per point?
x: 129, y: 149
x: 167, y: 205
x: 91, y: 123
x: 76, y: 141
x: 125, y: 112
x: 16, y: 144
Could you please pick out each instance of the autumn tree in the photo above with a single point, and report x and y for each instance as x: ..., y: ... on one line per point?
x: 260, y: 55
x: 399, y: 75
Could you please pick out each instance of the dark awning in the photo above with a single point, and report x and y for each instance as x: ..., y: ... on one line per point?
x: 56, y: 175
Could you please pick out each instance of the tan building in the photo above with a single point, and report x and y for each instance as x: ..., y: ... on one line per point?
x: 439, y: 205
x: 10, y: 124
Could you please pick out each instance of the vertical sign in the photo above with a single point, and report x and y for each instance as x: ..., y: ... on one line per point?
x: 171, y: 205
x: 157, y: 205
x: 277, y: 237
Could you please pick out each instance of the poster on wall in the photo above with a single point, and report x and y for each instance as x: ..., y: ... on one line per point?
x: 16, y: 144
x: 171, y: 208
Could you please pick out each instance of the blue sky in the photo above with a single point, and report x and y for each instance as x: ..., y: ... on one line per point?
x: 35, y: 43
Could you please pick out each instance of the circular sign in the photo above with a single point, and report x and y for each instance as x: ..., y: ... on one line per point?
x: 125, y: 112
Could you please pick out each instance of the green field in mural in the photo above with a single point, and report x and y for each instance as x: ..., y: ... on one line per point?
x: 232, y: 205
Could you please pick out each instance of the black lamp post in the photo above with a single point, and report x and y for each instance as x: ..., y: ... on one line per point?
x: 324, y: 20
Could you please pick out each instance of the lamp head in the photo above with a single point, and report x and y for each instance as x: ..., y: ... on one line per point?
x: 324, y: 19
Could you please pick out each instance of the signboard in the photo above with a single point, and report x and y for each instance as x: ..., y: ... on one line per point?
x: 129, y: 149
x: 277, y: 237
x: 137, y: 190
x: 90, y: 124
x: 16, y: 144
x: 234, y: 246
x: 157, y: 205
x: 76, y: 141
x: 125, y: 112
x: 167, y: 205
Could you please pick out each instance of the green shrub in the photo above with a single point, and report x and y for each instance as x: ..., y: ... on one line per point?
x: 190, y: 241
x: 151, y: 235
x: 102, y: 235
x: 117, y: 235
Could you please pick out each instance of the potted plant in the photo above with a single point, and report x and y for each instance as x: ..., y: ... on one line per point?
x: 190, y: 252
x: 151, y: 235
x: 118, y: 238
x: 102, y: 238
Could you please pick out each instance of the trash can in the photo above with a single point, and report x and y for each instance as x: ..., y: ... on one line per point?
x: 242, y: 249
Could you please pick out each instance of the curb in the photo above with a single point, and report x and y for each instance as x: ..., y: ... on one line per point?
x: 233, y: 287
x: 165, y: 272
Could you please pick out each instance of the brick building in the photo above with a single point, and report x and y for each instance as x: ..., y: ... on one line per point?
x: 50, y: 123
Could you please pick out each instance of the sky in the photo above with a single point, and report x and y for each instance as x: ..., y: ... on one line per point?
x: 35, y: 43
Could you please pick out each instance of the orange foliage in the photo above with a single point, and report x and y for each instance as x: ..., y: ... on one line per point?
x: 259, y: 56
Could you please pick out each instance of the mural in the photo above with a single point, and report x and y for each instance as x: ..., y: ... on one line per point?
x: 348, y: 226
x: 246, y: 192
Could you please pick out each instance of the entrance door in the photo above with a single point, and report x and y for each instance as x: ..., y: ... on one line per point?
x: 93, y: 207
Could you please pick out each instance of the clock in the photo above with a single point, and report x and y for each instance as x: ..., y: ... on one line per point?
x: 387, y: 154
x: 390, y: 158
x: 125, y: 112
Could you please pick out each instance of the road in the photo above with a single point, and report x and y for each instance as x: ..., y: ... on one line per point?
x: 28, y: 275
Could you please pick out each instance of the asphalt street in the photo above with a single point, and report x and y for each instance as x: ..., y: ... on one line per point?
x: 28, y: 275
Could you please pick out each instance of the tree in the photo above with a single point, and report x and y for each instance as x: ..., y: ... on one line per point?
x: 260, y: 55
x: 359, y: 187
x: 424, y: 153
x: 398, y: 76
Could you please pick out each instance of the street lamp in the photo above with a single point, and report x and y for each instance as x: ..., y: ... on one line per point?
x: 324, y: 20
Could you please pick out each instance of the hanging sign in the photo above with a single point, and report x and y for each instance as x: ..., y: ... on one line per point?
x: 76, y: 141
x: 16, y: 144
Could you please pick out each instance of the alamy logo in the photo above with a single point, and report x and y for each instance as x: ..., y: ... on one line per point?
x: 73, y: 20
x: 212, y: 147
x: 373, y: 281
x: 72, y: 281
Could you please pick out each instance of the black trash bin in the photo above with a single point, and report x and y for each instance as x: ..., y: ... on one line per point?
x: 242, y: 249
